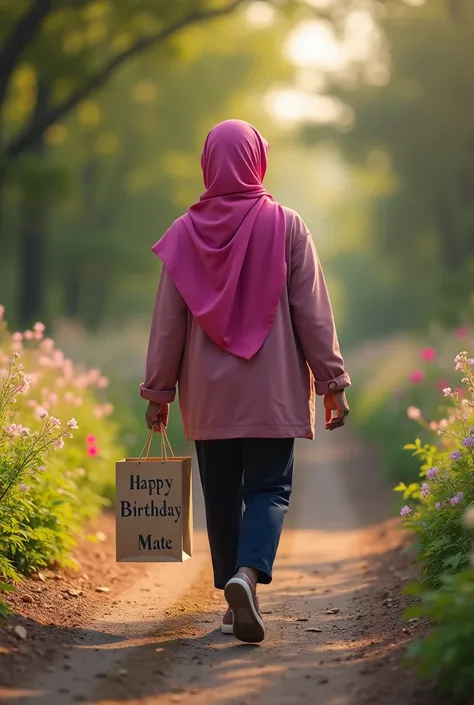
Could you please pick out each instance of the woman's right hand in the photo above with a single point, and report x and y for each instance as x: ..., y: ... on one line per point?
x: 336, y: 402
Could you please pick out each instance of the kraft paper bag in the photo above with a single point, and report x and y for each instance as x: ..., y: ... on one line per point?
x: 154, y: 522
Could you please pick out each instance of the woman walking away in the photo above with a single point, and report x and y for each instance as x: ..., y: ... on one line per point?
x: 243, y: 325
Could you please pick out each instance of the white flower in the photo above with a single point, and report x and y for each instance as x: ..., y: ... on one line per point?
x: 72, y: 423
x: 447, y: 391
x: 59, y: 444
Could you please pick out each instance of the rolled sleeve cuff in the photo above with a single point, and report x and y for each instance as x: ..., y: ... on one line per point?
x: 333, y: 385
x: 163, y: 396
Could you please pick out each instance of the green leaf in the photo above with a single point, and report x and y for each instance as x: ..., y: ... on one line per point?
x: 6, y: 587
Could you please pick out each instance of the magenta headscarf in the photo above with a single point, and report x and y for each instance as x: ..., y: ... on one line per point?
x: 226, y: 255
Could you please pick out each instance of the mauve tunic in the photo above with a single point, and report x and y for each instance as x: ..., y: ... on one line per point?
x: 273, y: 394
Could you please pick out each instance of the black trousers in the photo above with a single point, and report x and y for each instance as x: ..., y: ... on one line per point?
x: 247, y: 486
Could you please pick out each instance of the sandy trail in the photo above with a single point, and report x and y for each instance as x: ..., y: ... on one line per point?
x: 159, y: 643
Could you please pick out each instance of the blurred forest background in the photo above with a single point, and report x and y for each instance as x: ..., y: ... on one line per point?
x: 104, y: 106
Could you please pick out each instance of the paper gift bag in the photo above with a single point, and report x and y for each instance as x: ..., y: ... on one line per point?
x: 154, y: 521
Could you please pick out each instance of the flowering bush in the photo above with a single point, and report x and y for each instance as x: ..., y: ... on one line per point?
x: 53, y: 474
x: 401, y: 382
x: 436, y: 504
x: 446, y: 653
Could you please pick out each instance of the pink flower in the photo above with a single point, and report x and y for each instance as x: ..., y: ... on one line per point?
x: 413, y: 413
x: 47, y: 345
x: 91, y: 439
x: 93, y: 375
x: 447, y: 391
x: 59, y: 443
x: 462, y: 332
x: 428, y: 354
x: 438, y: 505
x: 433, y: 425
x: 55, y: 423
x: 53, y: 399
x: 58, y: 357
x: 23, y: 385
x: 441, y: 384
x: 405, y: 511
x: 17, y: 337
x: 92, y: 450
x: 417, y: 377
x: 39, y: 327
x: 432, y: 473
x: 2, y: 312
x: 32, y: 403
x: 68, y: 369
x: 103, y: 382
x: 41, y: 468
x: 425, y: 490
x: 41, y: 413
x: 72, y: 423
x: 28, y: 335
x: 23, y: 487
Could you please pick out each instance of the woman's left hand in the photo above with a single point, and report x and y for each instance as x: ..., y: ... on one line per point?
x: 157, y: 415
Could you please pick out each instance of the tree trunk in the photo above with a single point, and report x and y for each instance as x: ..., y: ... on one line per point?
x: 32, y: 254
x: 32, y: 248
x: 72, y: 290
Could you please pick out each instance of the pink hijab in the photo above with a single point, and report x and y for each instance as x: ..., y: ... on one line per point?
x: 226, y: 255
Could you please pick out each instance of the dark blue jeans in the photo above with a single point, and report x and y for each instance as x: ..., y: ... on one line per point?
x: 247, y: 487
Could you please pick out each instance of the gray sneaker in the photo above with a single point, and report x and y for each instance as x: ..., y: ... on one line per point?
x: 242, y: 599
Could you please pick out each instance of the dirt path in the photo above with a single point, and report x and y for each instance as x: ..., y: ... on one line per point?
x: 332, y: 612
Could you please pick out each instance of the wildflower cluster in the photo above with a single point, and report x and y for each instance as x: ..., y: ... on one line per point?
x: 447, y: 488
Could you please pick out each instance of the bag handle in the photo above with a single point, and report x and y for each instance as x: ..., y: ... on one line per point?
x: 165, y: 441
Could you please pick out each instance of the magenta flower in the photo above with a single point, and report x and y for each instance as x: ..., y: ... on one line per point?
x: 432, y: 473
x: 456, y: 455
x: 441, y: 384
x: 405, y: 511
x: 462, y: 332
x: 92, y: 451
x: 91, y: 439
x: 417, y: 377
x: 428, y: 354
x: 468, y: 442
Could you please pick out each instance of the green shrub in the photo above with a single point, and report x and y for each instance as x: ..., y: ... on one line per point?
x: 447, y: 653
x: 50, y: 482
